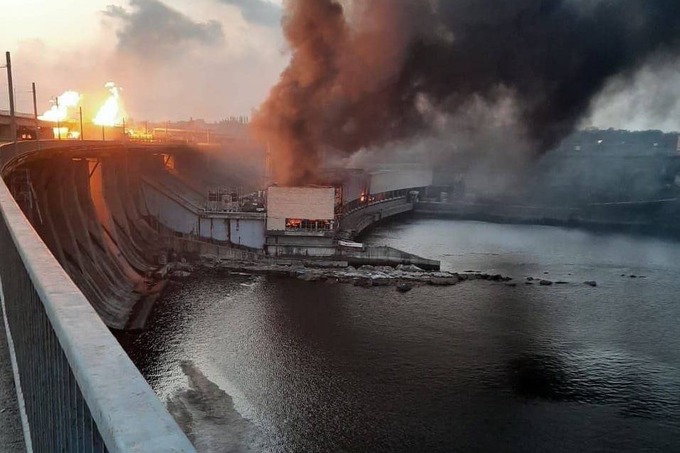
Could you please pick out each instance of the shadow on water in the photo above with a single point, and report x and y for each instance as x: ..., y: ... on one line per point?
x: 207, y: 415
x: 637, y: 388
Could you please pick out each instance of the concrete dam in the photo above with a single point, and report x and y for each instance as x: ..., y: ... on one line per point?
x: 99, y: 208
x: 119, y: 216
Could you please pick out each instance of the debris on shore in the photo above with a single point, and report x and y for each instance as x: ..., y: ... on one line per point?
x: 403, y: 277
x: 174, y: 270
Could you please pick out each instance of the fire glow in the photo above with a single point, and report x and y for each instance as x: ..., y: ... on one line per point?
x: 111, y: 113
x: 60, y: 109
x: 65, y: 110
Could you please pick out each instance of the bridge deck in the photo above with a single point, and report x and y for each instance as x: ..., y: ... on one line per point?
x: 11, y: 435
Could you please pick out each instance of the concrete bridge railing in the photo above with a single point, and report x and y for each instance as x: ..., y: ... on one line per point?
x: 78, y: 390
x: 366, y: 215
x: 12, y: 154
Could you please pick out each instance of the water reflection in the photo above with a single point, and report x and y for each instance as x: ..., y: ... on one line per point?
x: 274, y: 364
x: 638, y: 388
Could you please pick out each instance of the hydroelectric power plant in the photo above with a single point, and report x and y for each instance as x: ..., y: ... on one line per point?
x: 127, y: 219
x: 340, y: 225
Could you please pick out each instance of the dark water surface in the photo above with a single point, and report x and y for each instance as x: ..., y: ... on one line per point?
x: 251, y: 363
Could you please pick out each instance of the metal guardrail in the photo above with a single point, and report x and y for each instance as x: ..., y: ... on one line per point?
x: 80, y: 390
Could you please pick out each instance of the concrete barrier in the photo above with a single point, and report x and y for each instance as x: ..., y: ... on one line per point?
x: 361, y: 218
x: 386, y: 256
x: 80, y: 391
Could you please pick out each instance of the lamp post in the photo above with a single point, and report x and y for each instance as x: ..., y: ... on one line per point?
x: 35, y: 113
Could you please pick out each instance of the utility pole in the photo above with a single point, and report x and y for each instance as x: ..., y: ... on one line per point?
x: 58, y: 122
x: 80, y: 112
x: 12, y: 113
x: 35, y: 112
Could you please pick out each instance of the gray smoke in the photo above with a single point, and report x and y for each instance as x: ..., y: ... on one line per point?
x: 155, y: 31
x: 257, y: 11
x: 365, y: 74
x: 647, y: 99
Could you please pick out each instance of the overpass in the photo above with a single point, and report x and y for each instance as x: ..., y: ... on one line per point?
x: 76, y: 388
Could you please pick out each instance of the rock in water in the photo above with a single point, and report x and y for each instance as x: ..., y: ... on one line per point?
x: 404, y: 287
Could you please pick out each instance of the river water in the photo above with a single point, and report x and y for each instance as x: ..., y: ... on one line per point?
x: 254, y: 363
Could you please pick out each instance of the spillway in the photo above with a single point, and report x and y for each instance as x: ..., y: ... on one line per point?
x: 97, y: 207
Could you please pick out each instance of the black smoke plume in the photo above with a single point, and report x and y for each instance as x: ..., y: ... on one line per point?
x: 365, y: 73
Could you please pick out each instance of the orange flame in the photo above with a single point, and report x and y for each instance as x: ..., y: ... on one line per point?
x: 111, y: 113
x: 60, y: 109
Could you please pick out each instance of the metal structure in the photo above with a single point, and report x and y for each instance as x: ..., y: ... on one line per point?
x: 78, y: 390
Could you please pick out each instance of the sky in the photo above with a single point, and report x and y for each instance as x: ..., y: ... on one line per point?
x: 174, y: 59
x: 212, y: 59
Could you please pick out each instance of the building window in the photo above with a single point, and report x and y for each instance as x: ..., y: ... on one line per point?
x: 309, y: 225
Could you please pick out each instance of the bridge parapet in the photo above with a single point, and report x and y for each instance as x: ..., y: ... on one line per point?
x: 364, y: 215
x: 80, y: 390
x: 12, y: 154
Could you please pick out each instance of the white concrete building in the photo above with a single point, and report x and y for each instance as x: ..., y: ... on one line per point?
x: 301, y: 209
x: 301, y: 221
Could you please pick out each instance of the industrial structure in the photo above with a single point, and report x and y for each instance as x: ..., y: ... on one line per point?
x: 89, y: 222
x: 302, y: 220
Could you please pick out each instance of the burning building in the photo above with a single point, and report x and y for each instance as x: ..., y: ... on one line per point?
x: 302, y: 220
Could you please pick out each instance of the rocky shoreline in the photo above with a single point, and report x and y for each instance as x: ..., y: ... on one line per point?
x: 402, y: 277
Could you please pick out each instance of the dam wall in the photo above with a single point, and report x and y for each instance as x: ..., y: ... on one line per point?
x: 76, y: 388
x: 95, y: 207
x: 110, y: 212
x: 95, y: 230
